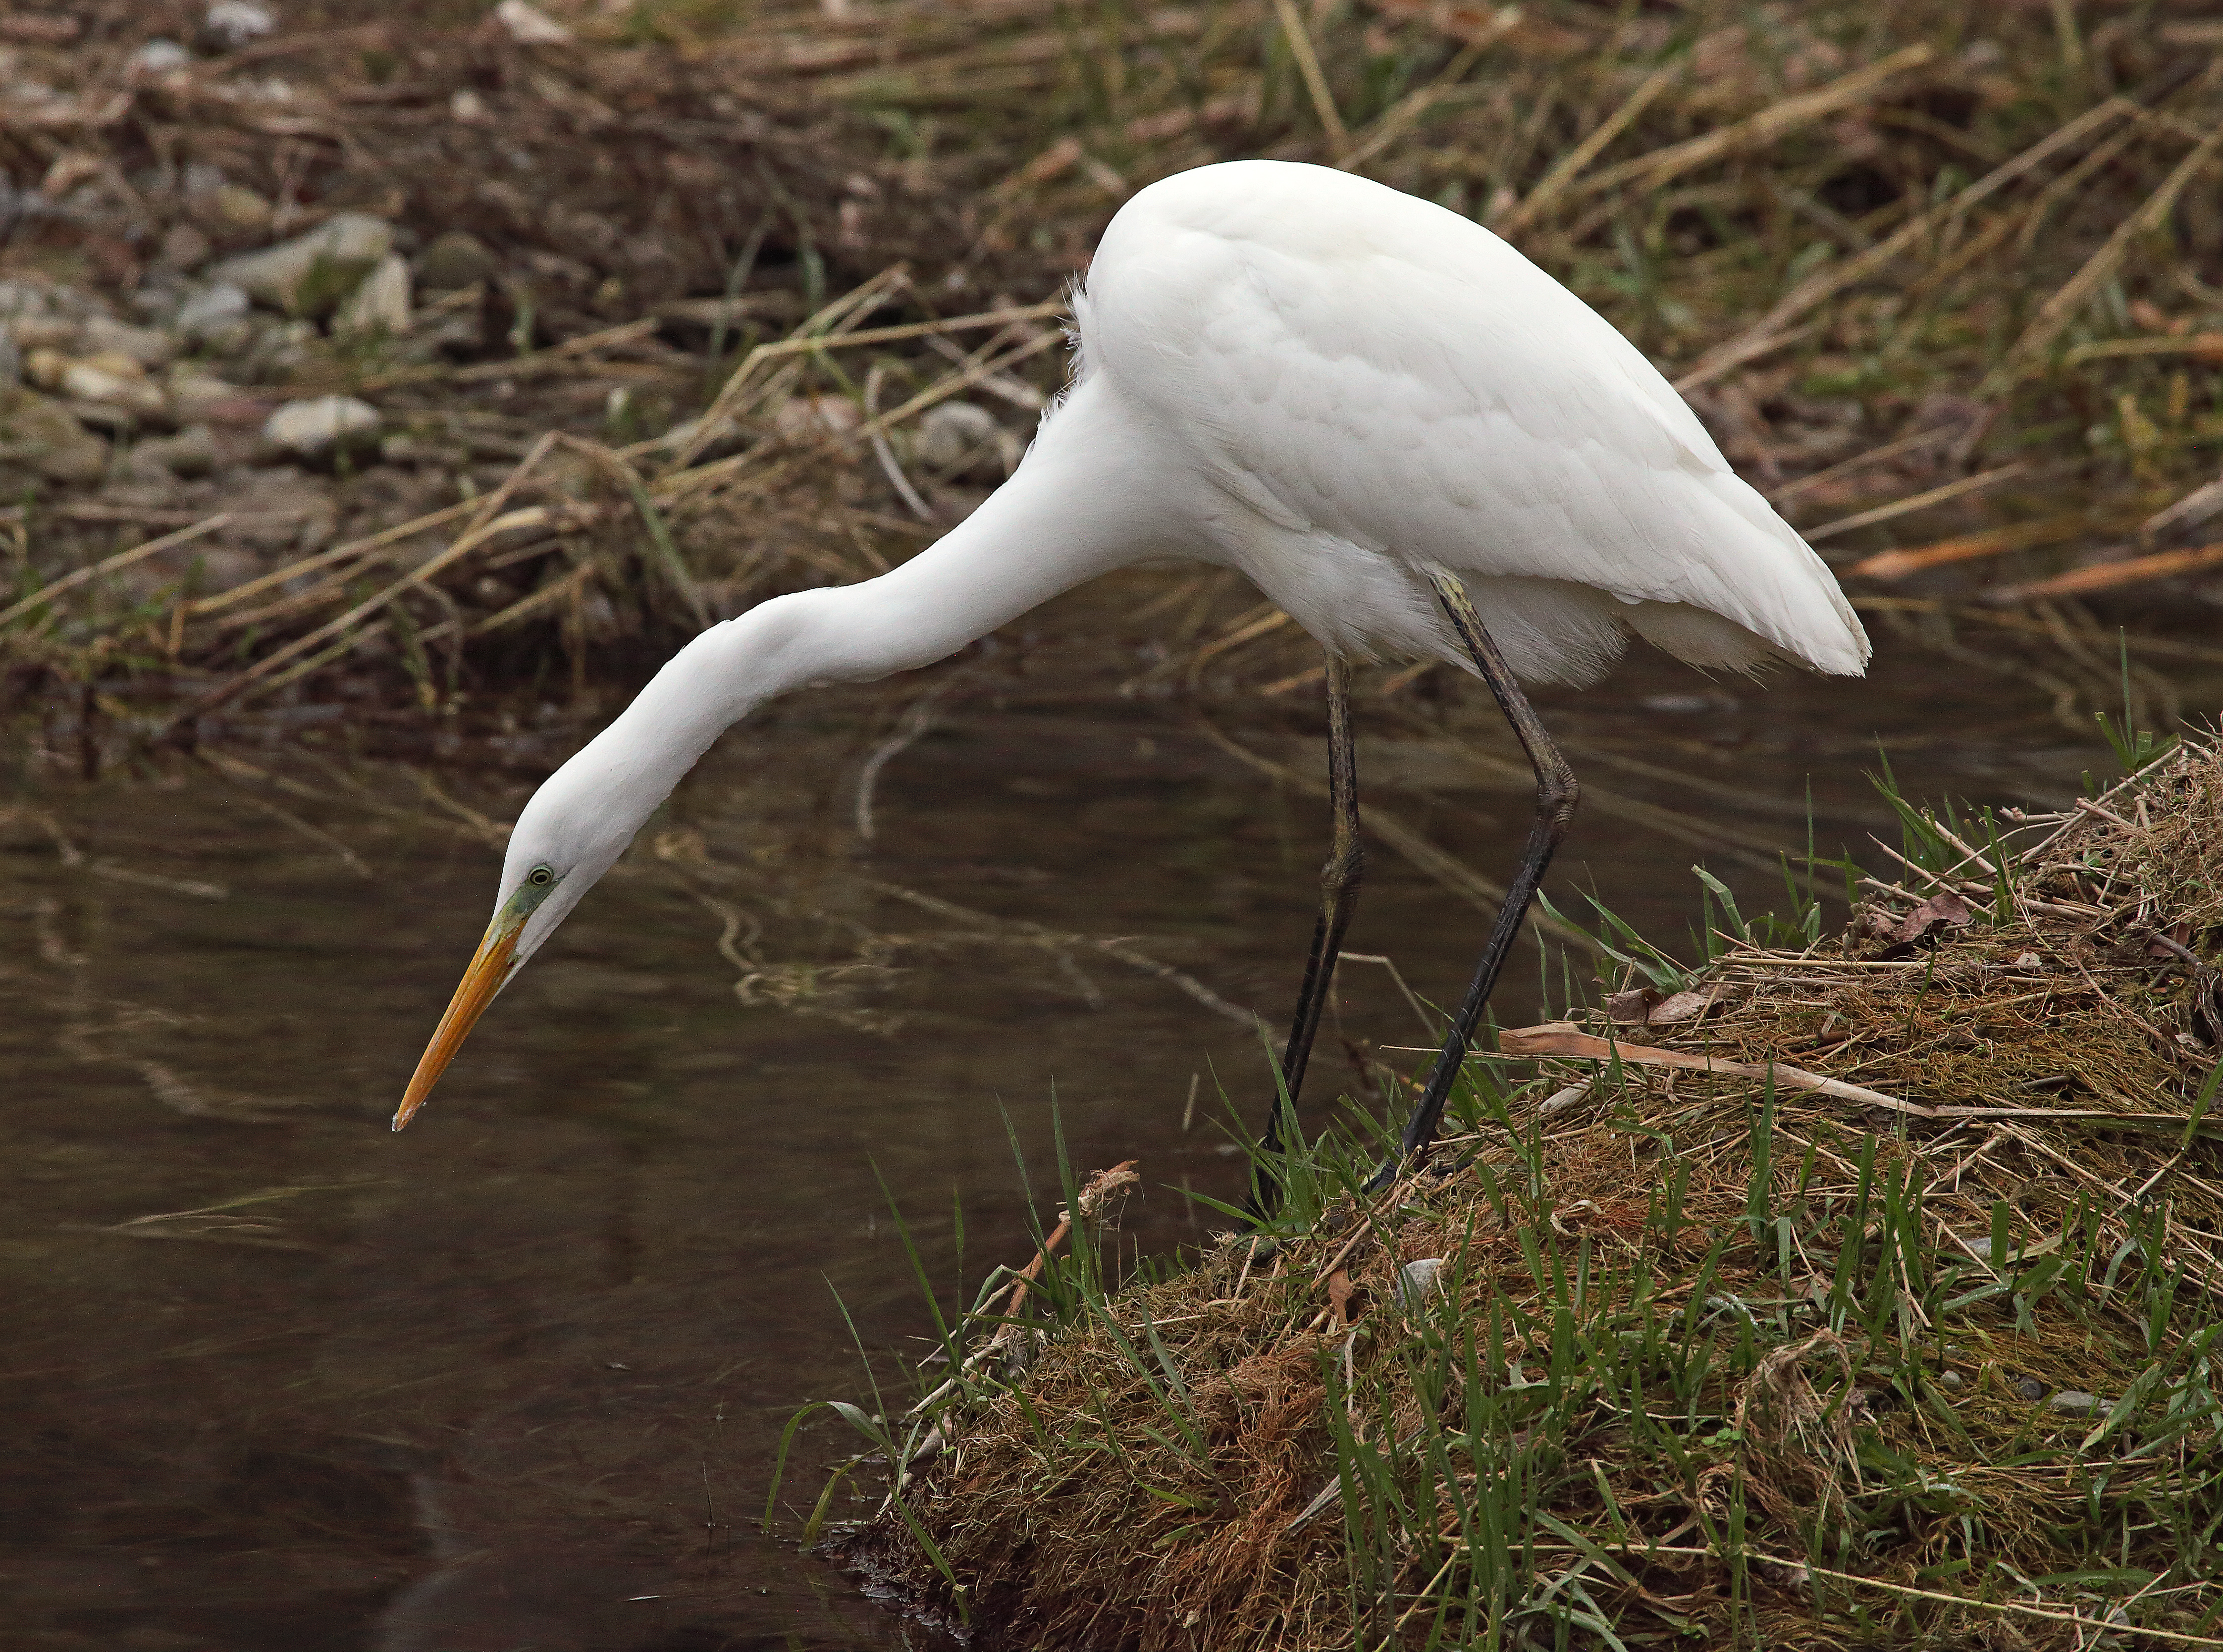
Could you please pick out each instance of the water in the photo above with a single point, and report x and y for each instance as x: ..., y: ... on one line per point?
x: 513, y: 1378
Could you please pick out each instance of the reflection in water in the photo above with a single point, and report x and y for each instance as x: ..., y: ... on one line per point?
x: 281, y: 1380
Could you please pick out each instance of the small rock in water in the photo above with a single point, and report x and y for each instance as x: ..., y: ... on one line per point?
x: 2070, y: 1403
x: 457, y: 259
x: 1417, y: 1281
x: 381, y: 303
x: 230, y: 24
x: 312, y: 428
x: 310, y: 274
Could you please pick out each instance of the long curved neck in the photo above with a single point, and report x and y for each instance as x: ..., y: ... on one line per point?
x: 1086, y: 499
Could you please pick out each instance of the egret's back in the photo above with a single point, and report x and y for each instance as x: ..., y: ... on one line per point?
x: 1375, y: 384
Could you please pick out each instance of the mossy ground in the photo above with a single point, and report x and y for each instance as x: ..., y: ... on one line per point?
x: 1706, y: 1359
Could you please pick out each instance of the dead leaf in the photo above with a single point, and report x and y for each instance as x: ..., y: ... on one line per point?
x: 1945, y: 911
x: 1633, y: 1008
x: 1685, y: 1006
x: 1338, y: 1297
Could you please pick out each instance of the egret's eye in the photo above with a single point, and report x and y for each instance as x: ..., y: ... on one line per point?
x: 540, y: 877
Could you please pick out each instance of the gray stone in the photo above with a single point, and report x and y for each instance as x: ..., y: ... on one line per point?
x: 2029, y: 1388
x: 148, y: 346
x: 159, y: 57
x: 215, y: 313
x: 950, y: 430
x: 230, y: 24
x: 2070, y: 1403
x: 1950, y: 1379
x: 457, y: 259
x: 238, y: 210
x: 311, y: 275
x: 320, y: 425
x: 39, y: 435
x: 190, y: 452
x: 381, y: 303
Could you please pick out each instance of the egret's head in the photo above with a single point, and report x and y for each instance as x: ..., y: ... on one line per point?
x: 571, y: 834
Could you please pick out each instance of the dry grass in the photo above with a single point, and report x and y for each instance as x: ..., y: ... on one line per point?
x: 1924, y: 267
x: 1923, y: 1361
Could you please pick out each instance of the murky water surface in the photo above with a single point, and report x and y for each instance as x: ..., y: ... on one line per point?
x: 279, y: 1380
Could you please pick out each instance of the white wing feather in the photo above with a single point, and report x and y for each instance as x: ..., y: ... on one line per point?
x: 1353, y: 362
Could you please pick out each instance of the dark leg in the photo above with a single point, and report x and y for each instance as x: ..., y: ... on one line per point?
x: 1555, y: 810
x: 1339, y: 881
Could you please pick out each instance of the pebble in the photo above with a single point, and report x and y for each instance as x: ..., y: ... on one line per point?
x: 159, y: 57
x: 950, y: 430
x: 185, y: 247
x: 803, y: 418
x: 2029, y: 1388
x: 312, y: 428
x: 39, y: 435
x: 312, y: 273
x: 1950, y: 1379
x: 236, y: 207
x: 149, y: 347
x: 190, y: 453
x: 457, y: 259
x: 381, y: 303
x: 529, y: 26
x: 215, y: 315
x: 2070, y: 1403
x: 195, y: 396
x: 112, y: 380
x: 230, y: 24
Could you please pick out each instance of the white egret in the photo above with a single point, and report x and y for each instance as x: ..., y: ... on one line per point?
x: 1408, y: 436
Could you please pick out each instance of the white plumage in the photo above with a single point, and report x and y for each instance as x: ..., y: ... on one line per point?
x: 1339, y: 390
x: 1384, y: 385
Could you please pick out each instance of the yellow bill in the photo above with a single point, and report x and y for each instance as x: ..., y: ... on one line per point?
x: 488, y: 970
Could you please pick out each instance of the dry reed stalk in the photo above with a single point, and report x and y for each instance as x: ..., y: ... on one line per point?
x: 121, y: 560
x: 2072, y: 296
x: 1889, y: 565
x: 2106, y: 576
x: 1938, y: 495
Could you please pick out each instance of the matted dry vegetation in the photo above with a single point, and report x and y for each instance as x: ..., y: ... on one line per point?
x: 1910, y: 1343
